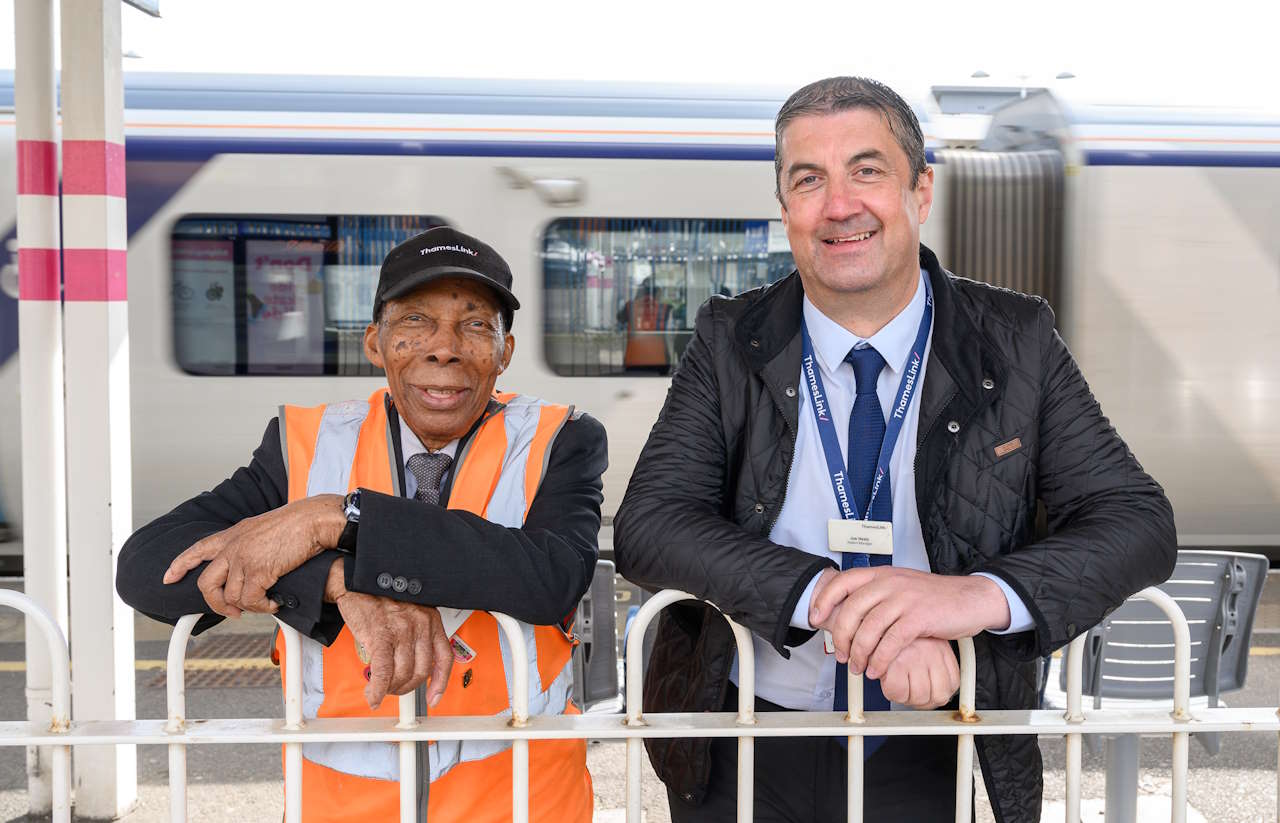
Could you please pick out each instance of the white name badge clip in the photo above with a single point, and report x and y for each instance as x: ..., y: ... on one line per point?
x: 861, y: 536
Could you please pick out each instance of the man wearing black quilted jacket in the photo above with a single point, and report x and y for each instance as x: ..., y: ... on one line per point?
x: 861, y: 448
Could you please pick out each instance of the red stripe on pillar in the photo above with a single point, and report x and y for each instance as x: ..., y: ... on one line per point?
x: 38, y: 274
x: 92, y: 167
x: 95, y: 274
x: 37, y: 167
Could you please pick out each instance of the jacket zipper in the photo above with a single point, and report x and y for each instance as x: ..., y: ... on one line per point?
x: 786, y: 478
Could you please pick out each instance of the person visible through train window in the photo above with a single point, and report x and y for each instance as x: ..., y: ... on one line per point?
x: 860, y: 449
x: 646, y: 317
x: 385, y: 529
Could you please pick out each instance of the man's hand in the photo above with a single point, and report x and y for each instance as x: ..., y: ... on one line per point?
x: 248, y: 558
x: 405, y: 642
x: 874, y: 613
x: 923, y: 676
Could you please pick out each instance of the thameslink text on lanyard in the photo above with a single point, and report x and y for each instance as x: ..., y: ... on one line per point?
x: 836, y: 464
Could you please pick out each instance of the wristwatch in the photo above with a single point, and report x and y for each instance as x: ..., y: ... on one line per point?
x: 351, y: 510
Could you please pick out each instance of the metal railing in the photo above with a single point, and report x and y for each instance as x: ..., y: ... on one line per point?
x: 746, y: 725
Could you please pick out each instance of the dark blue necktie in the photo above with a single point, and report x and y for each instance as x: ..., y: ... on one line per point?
x: 866, y: 433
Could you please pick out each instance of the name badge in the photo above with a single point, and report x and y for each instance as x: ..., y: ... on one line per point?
x: 862, y: 536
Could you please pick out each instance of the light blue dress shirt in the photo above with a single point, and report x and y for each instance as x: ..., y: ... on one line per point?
x: 806, y: 681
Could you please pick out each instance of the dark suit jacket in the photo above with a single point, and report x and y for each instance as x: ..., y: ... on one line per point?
x: 536, y: 573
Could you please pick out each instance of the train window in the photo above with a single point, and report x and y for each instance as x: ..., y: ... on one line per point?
x: 279, y: 295
x: 621, y: 295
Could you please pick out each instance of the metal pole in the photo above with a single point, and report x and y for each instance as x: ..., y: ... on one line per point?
x: 635, y: 674
x: 292, y: 722
x: 100, y: 506
x: 746, y: 717
x: 44, y: 479
x: 857, y: 764
x: 1075, y: 668
x: 964, y: 742
x: 176, y: 687
x: 55, y: 646
x: 408, y: 760
x: 519, y: 715
x: 1181, y: 694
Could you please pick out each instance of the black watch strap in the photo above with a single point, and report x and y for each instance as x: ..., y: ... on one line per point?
x: 351, y: 509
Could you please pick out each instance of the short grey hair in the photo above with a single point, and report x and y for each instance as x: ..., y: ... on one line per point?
x: 839, y: 94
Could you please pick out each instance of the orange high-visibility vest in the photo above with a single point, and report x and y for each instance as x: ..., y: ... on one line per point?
x: 344, y: 446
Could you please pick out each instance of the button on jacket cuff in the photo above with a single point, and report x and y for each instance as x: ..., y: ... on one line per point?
x: 1019, y: 615
x: 301, y: 598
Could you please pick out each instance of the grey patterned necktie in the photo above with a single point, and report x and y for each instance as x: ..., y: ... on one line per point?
x: 428, y: 469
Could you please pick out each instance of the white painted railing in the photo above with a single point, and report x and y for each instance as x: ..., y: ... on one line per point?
x: 634, y: 726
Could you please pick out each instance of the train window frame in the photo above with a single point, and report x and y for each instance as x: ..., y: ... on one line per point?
x: 644, y: 332
x: 333, y: 260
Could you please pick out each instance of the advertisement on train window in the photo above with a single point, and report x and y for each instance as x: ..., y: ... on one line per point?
x: 285, y: 311
x: 204, y: 305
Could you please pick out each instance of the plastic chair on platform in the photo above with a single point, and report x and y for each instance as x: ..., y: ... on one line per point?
x: 595, y: 660
x: 1129, y: 656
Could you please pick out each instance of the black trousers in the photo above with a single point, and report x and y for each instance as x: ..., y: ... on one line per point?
x: 804, y: 779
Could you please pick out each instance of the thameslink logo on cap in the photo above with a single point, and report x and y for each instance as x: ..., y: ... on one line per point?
x: 432, y: 249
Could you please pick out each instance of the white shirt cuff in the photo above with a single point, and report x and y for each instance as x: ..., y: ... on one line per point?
x: 800, y: 617
x: 1019, y: 617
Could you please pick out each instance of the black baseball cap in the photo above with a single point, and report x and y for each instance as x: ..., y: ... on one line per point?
x: 444, y: 252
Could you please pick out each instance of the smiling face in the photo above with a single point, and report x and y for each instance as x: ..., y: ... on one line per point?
x: 442, y: 347
x: 851, y: 213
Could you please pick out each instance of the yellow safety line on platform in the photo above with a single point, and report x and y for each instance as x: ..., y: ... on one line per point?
x: 197, y: 665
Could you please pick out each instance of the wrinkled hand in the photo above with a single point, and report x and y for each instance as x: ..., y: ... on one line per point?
x: 924, y: 675
x: 405, y: 642
x: 875, y: 613
x: 248, y: 558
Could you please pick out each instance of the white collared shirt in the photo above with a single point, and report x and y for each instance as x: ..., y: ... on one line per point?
x: 807, y: 680
x: 411, y: 445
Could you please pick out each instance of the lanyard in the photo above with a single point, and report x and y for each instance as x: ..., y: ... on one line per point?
x: 836, y: 466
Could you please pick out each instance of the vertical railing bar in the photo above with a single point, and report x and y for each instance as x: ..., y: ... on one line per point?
x: 292, y: 722
x: 1181, y: 694
x: 964, y: 742
x: 1075, y: 667
x: 519, y: 715
x: 746, y: 717
x: 635, y: 678
x: 60, y: 677
x: 857, y: 763
x: 175, y: 682
x: 408, y: 760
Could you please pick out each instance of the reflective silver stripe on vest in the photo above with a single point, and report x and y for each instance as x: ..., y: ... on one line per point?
x: 449, y: 753
x: 330, y: 473
x: 508, y: 505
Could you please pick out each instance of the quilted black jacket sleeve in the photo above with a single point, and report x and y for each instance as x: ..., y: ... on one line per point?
x: 1111, y: 528
x: 678, y: 525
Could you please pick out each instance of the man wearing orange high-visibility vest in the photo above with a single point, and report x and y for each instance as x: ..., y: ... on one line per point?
x: 385, y: 529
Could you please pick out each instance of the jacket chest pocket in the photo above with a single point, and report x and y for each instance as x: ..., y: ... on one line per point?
x: 990, y: 493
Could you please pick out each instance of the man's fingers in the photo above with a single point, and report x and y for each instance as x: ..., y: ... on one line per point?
x: 441, y: 666
x: 422, y: 660
x: 836, y: 590
x: 232, y: 589
x: 897, y: 636
x: 210, y: 584
x: 403, y: 655
x: 867, y: 636
x: 939, y: 685
x: 253, y: 598
x: 381, y: 667
x: 895, y: 686
x: 206, y: 549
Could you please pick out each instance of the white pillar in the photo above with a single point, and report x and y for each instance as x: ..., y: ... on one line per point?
x: 97, y: 373
x: 44, y: 503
